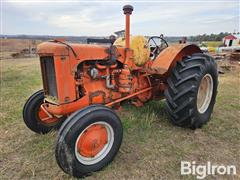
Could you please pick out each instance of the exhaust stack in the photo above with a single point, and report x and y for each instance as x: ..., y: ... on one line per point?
x: 127, y: 9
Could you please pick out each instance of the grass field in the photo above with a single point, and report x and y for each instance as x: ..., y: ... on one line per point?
x: 12, y: 46
x: 16, y: 45
x: 213, y: 43
x: 152, y: 147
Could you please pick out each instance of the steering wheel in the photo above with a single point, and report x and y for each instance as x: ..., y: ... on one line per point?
x: 156, y: 44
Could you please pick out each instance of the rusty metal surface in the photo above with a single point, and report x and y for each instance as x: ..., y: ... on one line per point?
x: 52, y: 48
x: 169, y: 56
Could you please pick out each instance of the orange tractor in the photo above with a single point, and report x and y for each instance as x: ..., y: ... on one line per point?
x: 84, y: 82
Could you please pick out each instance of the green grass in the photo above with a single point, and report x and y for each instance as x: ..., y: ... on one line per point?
x: 213, y: 43
x: 152, y: 147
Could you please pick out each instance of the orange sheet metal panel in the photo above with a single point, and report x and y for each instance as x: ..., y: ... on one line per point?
x: 169, y: 56
x: 65, y: 79
x: 50, y: 48
x: 90, y: 51
x: 86, y: 52
x: 67, y: 108
x: 83, y: 51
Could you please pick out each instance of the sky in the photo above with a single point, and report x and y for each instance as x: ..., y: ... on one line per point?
x: 99, y: 18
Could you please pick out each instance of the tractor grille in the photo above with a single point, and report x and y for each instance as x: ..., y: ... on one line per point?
x: 48, y: 76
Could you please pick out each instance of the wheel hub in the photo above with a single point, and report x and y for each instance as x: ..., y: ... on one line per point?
x: 205, y: 92
x: 92, y: 141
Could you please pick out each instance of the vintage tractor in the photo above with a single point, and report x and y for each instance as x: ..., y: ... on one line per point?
x: 83, y: 83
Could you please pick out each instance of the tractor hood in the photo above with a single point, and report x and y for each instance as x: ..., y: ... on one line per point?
x: 80, y: 51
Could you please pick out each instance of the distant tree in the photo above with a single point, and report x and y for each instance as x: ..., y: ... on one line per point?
x: 211, y: 37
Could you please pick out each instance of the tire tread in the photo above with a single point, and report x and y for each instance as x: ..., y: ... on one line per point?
x: 182, y: 89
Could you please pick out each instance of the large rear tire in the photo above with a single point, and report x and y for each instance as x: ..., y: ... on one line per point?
x: 88, y: 140
x: 192, y: 90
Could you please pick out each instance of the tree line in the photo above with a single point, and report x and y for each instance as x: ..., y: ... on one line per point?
x: 211, y: 37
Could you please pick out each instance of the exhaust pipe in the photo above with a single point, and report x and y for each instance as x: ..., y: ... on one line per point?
x: 127, y: 9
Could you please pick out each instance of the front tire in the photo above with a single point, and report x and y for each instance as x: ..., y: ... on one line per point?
x: 192, y: 90
x: 88, y: 140
x: 32, y: 114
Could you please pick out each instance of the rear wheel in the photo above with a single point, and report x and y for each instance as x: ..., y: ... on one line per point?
x: 88, y: 140
x: 36, y: 117
x: 192, y: 90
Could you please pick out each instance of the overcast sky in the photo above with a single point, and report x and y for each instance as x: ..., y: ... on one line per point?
x: 187, y: 17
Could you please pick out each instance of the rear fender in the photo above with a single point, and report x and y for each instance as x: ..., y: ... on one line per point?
x: 167, y: 59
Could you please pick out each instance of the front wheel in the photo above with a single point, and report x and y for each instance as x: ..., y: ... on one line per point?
x: 192, y: 90
x: 88, y: 140
x: 36, y: 118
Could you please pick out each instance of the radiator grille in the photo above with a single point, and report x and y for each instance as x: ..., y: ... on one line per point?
x: 48, y: 76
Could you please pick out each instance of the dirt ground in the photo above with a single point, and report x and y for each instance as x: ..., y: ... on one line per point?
x: 152, y: 147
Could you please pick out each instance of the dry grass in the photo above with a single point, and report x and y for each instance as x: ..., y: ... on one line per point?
x: 11, y: 46
x: 16, y: 45
x: 152, y: 147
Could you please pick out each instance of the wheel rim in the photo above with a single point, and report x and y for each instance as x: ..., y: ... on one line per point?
x: 205, y: 92
x: 94, y: 143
